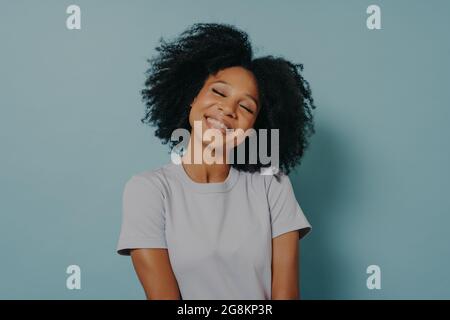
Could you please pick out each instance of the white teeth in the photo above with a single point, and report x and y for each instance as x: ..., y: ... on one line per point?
x: 216, y: 123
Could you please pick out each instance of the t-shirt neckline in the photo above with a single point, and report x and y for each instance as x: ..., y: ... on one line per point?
x: 223, y: 186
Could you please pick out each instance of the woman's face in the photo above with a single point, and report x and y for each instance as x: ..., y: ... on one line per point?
x: 228, y: 99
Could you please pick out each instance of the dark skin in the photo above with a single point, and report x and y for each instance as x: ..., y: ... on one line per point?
x: 231, y: 98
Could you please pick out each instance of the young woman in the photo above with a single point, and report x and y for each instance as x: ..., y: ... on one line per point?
x: 219, y: 230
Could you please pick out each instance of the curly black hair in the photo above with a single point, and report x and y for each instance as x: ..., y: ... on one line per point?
x: 178, y: 72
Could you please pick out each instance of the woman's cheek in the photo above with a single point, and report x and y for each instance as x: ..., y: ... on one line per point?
x: 208, y: 102
x: 246, y: 124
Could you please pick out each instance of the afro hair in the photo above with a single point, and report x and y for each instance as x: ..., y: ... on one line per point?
x: 180, y: 68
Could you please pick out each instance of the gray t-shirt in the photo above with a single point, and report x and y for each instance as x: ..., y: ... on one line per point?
x: 218, y: 235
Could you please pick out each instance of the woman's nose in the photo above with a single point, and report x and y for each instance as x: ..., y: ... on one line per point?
x: 227, y: 110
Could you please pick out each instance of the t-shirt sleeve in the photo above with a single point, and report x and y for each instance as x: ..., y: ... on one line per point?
x: 143, y: 218
x: 285, y: 212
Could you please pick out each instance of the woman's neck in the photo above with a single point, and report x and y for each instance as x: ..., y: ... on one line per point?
x: 204, y: 172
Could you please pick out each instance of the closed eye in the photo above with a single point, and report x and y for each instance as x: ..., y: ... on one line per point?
x: 248, y: 109
x: 218, y: 92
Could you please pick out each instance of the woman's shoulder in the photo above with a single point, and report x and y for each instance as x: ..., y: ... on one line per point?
x: 267, y: 178
x: 154, y: 179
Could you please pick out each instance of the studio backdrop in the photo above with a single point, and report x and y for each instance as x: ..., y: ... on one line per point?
x: 374, y: 183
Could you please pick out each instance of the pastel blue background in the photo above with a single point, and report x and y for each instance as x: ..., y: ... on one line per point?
x: 374, y: 184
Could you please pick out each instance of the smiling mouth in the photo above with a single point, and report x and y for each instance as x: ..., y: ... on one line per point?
x: 216, y: 124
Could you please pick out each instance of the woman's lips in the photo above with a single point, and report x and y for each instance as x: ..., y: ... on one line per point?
x: 213, y: 123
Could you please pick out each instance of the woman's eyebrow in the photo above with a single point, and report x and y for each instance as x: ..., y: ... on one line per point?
x: 247, y: 95
x: 221, y: 81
